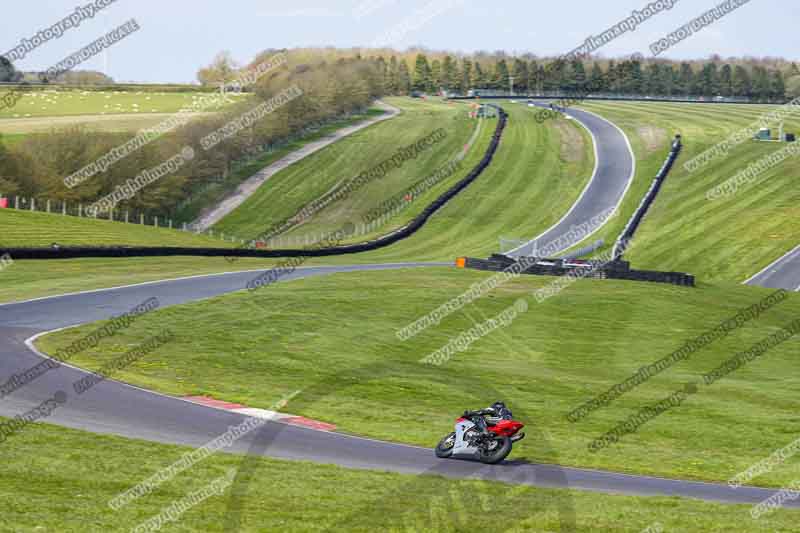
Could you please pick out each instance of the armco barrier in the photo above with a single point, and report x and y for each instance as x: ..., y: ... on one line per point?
x: 66, y: 252
x: 612, y: 270
x: 647, y: 201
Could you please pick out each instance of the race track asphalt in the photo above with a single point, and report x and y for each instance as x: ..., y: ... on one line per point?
x: 782, y: 274
x: 112, y: 407
x: 615, y: 166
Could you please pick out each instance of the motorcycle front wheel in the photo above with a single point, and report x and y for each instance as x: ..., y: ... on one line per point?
x: 445, y: 447
x: 496, y: 450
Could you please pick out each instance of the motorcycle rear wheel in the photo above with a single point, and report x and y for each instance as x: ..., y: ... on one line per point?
x: 497, y: 453
x: 445, y: 447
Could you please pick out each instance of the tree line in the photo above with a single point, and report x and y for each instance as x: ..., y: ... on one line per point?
x: 631, y: 76
x: 37, y: 165
x: 338, y: 82
x: 9, y: 74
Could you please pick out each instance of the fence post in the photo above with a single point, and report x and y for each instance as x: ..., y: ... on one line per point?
x: 170, y: 223
x: 33, y: 204
x: 184, y: 226
x: 64, y: 208
x: 48, y: 205
x: 16, y: 202
x: 80, y: 210
x: 111, y: 215
x: 155, y: 221
x: 126, y: 216
x: 141, y: 219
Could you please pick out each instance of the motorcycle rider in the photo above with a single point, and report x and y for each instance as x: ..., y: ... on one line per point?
x: 491, y: 415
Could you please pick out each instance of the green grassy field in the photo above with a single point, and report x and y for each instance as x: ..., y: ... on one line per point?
x: 728, y: 239
x: 36, y: 229
x: 57, y: 103
x: 535, y: 165
x: 25, y: 229
x: 536, y: 175
x: 35, y: 279
x: 288, y: 191
x: 12, y: 138
x: 334, y: 337
x: 475, y: 133
x: 77, y: 473
x: 241, y: 173
x: 127, y: 123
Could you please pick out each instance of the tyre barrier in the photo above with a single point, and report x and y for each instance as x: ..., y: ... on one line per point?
x: 67, y: 252
x: 617, y: 269
x: 638, y: 215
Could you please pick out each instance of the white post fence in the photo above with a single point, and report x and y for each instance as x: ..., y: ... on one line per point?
x: 19, y: 203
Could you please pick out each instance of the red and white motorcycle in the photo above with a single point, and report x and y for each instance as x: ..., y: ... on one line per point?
x: 487, y: 435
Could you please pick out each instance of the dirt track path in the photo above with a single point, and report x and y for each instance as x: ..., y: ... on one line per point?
x: 212, y: 215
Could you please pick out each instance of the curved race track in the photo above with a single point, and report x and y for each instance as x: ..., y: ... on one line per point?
x: 782, y: 274
x: 615, y: 166
x: 115, y: 408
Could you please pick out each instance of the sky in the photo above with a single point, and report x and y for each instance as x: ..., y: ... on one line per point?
x: 177, y: 37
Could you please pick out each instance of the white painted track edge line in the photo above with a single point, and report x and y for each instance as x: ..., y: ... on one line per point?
x: 631, y: 178
x: 32, y: 347
x: 197, y: 276
x: 580, y: 197
x: 30, y: 344
x: 781, y: 258
x: 154, y: 282
x: 594, y: 175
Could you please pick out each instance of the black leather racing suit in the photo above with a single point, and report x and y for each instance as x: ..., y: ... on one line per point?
x: 498, y: 411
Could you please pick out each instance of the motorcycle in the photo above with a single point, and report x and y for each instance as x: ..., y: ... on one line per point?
x: 469, y: 441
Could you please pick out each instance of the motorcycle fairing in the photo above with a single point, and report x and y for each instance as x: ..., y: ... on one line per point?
x: 462, y: 446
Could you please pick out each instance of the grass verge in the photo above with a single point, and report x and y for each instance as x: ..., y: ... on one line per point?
x: 190, y: 209
x: 35, y: 229
x: 340, y: 329
x: 57, y: 479
x: 535, y: 177
x: 729, y: 239
x: 24, y: 280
